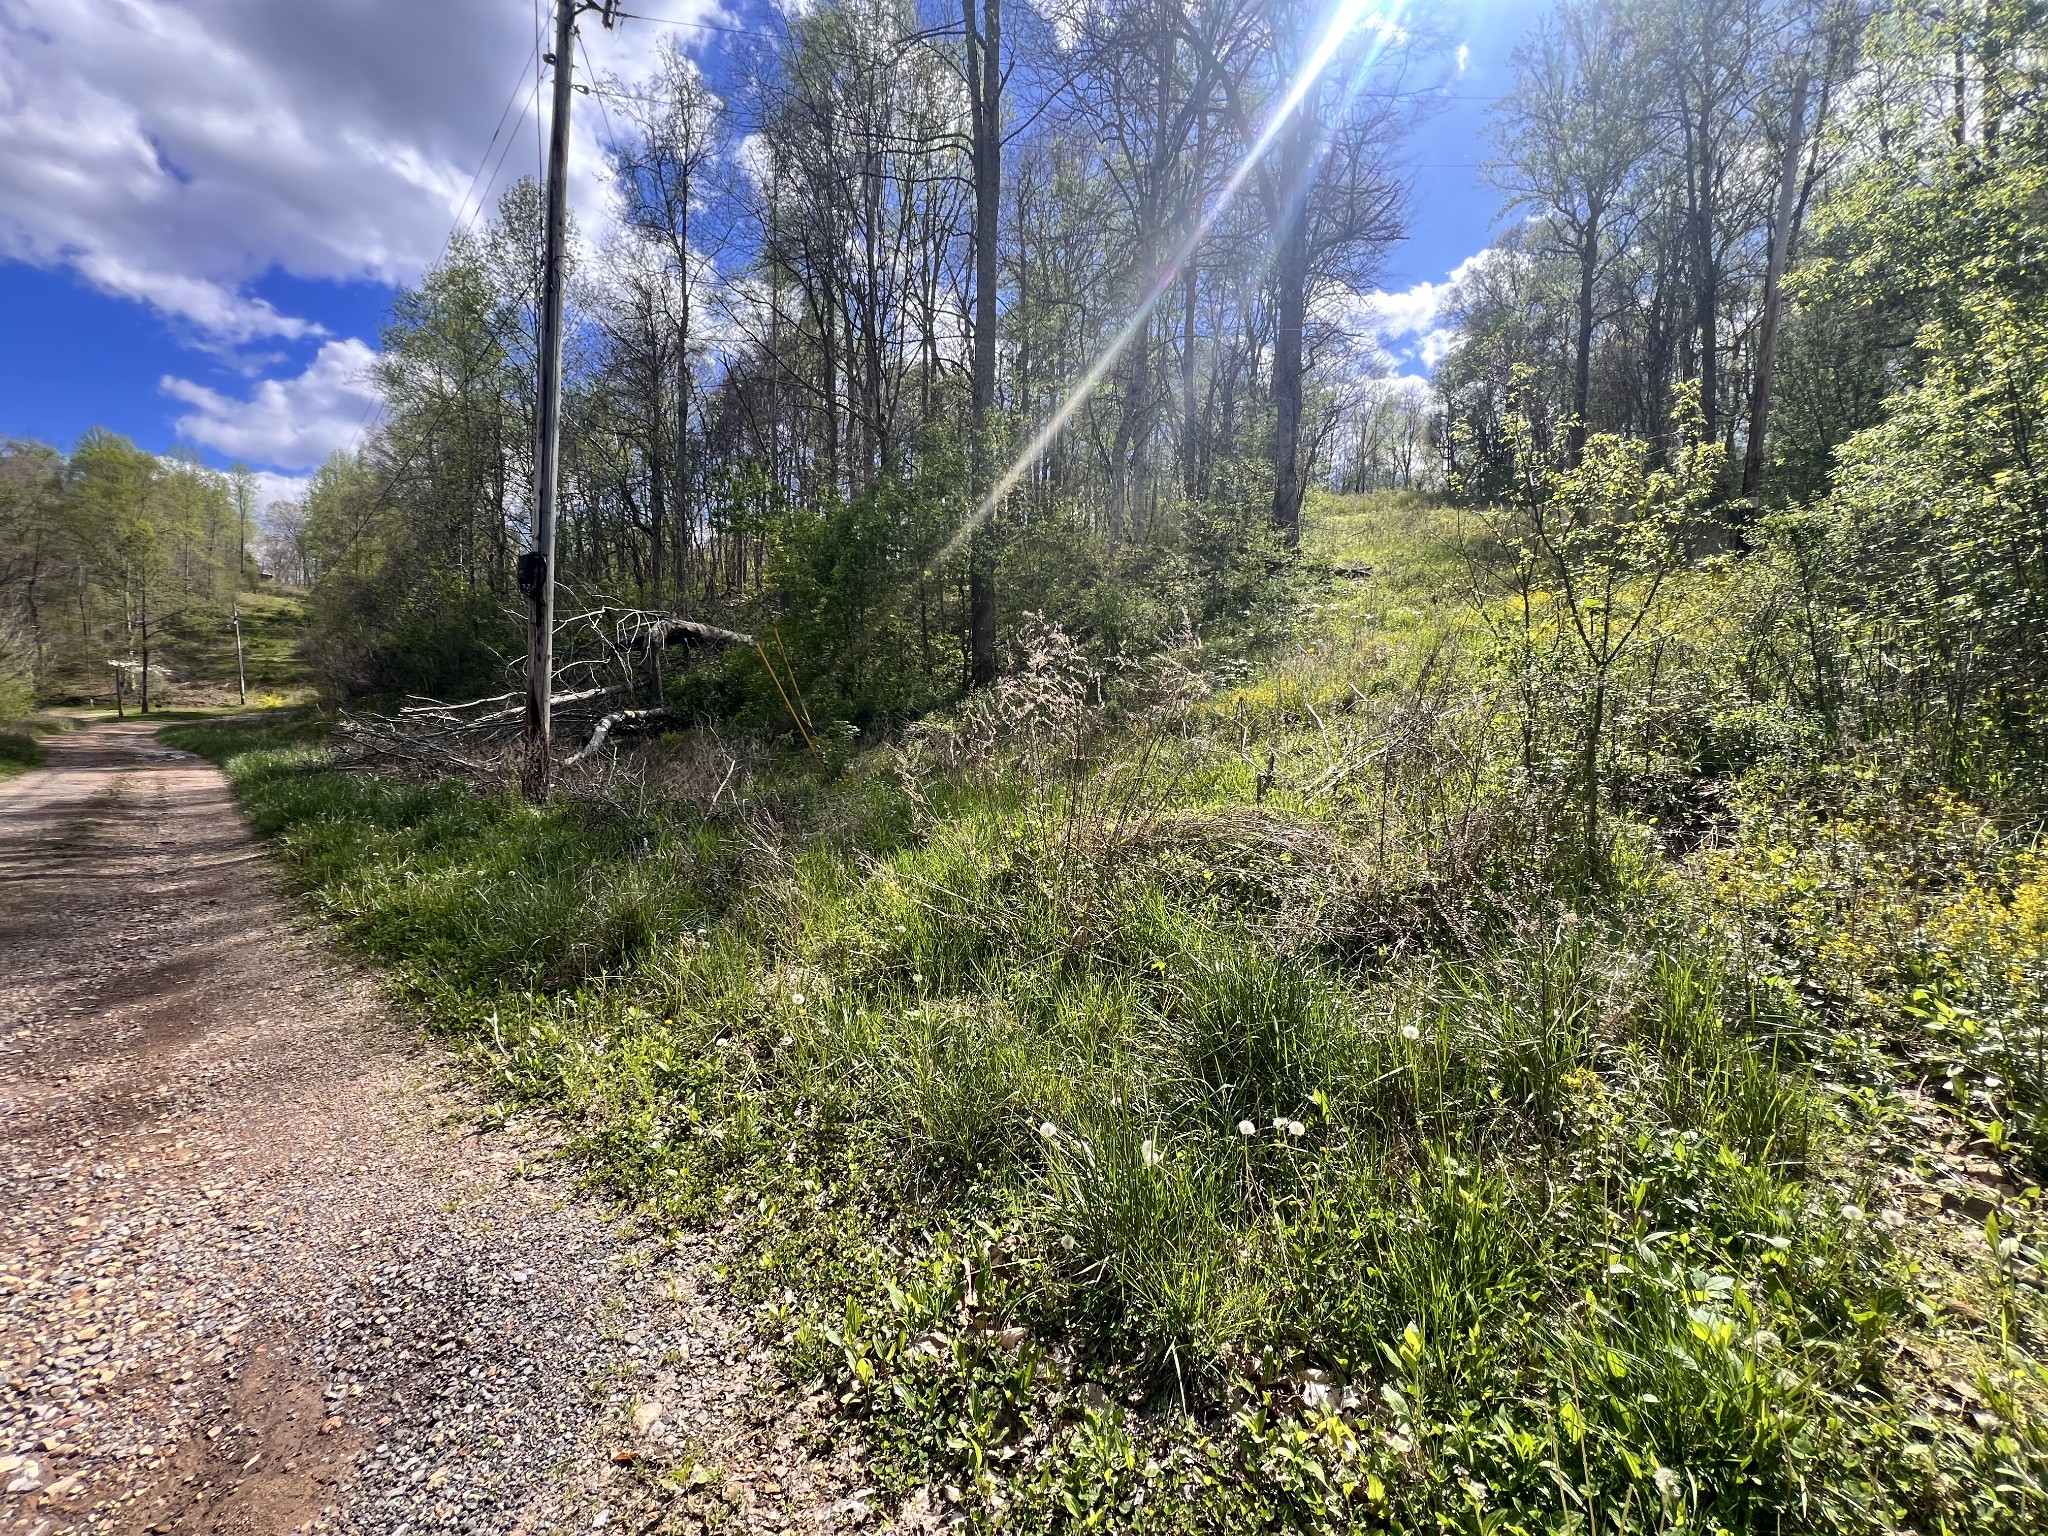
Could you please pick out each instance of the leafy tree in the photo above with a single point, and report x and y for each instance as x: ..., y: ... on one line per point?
x: 1591, y: 540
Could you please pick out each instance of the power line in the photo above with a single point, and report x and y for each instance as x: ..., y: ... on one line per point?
x: 611, y: 134
x: 464, y: 215
x: 517, y: 86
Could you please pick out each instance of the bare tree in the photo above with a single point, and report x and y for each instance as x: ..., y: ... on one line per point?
x: 1574, y: 131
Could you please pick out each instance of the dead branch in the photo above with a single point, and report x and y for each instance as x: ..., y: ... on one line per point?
x: 606, y: 657
x: 618, y: 720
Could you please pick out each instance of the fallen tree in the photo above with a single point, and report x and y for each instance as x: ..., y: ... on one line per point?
x: 609, y: 657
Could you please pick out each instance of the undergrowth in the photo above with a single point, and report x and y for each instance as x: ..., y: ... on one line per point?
x: 1194, y: 1102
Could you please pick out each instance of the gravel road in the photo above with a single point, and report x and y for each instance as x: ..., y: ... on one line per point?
x: 261, y: 1273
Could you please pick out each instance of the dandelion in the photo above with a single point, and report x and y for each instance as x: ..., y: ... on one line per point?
x: 1246, y: 1128
x: 1280, y: 1124
x: 1296, y: 1128
x: 797, y: 998
x: 1151, y: 1153
x: 1410, y: 1033
x: 1048, y: 1130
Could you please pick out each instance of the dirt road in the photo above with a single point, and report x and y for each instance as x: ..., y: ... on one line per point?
x: 261, y: 1274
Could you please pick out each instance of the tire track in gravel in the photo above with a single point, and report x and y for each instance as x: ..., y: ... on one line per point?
x: 261, y: 1277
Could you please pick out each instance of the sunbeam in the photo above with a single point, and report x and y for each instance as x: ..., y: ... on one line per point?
x: 1346, y: 19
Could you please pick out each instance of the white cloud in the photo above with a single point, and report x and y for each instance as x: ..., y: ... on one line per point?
x: 1464, y: 57
x: 170, y: 151
x: 218, y: 313
x: 294, y: 423
x: 1410, y: 324
x: 271, y: 488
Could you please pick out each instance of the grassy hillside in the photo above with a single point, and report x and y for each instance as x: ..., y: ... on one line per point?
x: 198, y: 654
x: 192, y: 663
x: 1207, y: 1097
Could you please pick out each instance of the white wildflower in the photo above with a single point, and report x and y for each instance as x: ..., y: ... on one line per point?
x: 1246, y: 1128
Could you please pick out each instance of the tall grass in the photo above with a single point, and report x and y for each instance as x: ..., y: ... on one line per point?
x: 1140, y: 1139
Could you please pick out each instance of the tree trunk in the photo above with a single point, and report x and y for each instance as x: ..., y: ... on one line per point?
x: 685, y: 532
x: 1582, y: 360
x: 1291, y: 272
x: 1706, y: 317
x: 984, y: 88
x: 1190, y: 467
x: 1774, y: 298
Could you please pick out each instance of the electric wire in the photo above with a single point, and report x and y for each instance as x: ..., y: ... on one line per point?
x: 465, y: 215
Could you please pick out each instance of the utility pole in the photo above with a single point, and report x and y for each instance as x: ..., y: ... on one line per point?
x: 536, y: 566
x: 241, y: 671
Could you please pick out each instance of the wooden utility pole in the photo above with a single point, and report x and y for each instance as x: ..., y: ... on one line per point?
x: 241, y: 671
x: 536, y: 566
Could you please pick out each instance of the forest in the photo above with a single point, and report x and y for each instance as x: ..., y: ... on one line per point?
x: 127, y: 573
x: 1226, y: 943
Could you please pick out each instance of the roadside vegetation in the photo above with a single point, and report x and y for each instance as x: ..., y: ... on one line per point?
x: 1508, y: 1000
x: 1148, y: 1102
x: 19, y: 751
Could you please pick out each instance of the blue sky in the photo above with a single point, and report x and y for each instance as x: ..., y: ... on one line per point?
x: 205, y: 205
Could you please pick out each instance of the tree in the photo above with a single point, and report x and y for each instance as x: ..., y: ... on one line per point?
x: 660, y: 169
x: 984, y: 74
x: 1326, y: 185
x: 1945, y: 501
x: 242, y: 489
x: 34, y: 541
x: 1574, y: 132
x: 1592, y: 541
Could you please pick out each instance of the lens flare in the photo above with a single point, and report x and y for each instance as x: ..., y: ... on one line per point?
x: 1348, y: 17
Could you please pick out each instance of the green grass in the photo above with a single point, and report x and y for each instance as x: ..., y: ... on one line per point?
x: 1139, y: 1132
x: 21, y: 746
x: 19, y: 752
x: 199, y: 644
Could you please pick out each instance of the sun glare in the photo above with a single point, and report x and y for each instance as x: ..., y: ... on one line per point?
x: 1380, y: 18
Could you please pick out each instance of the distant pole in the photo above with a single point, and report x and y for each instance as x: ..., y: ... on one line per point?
x: 241, y: 671
x: 244, y: 504
x: 120, y: 713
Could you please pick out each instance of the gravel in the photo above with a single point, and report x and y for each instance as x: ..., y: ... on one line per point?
x: 266, y: 1274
